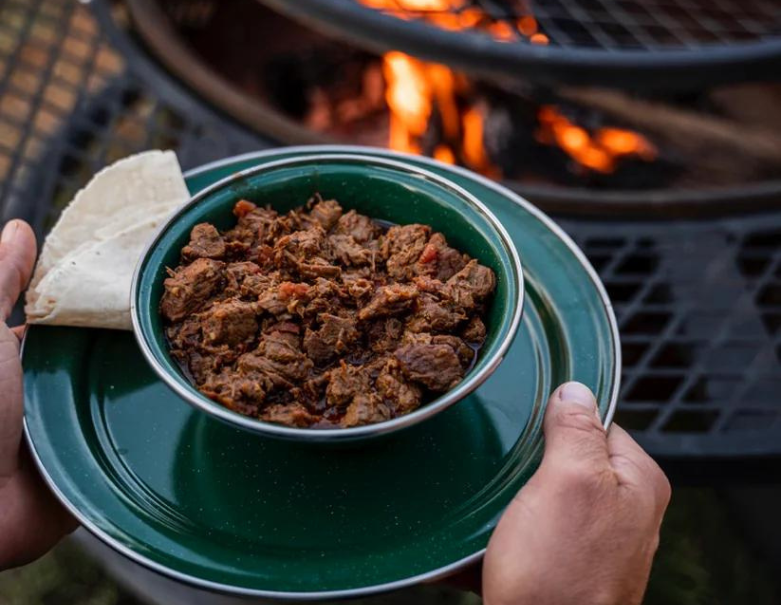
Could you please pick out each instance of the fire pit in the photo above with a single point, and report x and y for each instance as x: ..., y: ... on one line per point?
x: 698, y: 301
x: 567, y: 148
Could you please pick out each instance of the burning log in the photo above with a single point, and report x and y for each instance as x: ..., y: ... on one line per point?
x: 686, y: 129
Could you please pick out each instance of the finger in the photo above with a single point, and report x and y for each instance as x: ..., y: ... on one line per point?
x: 17, y: 258
x: 635, y: 468
x: 10, y: 403
x: 19, y: 332
x: 574, y: 436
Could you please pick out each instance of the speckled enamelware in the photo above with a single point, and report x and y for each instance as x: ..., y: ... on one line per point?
x: 203, y: 502
x: 383, y: 189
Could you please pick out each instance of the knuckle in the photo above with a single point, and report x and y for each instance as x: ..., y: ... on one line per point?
x: 663, y: 487
x: 584, y: 477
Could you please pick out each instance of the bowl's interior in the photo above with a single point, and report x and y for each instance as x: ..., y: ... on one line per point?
x: 382, y: 192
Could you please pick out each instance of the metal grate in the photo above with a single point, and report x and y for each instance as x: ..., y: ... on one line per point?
x: 615, y: 42
x: 699, y: 310
x: 605, y: 24
x: 699, y: 303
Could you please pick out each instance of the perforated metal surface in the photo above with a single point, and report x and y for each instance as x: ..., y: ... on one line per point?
x: 619, y: 42
x: 699, y: 303
x: 699, y: 310
x: 607, y: 24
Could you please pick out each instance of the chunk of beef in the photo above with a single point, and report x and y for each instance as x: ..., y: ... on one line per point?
x: 229, y: 322
x: 189, y: 288
x: 317, y: 268
x: 254, y: 286
x: 278, y: 361
x: 255, y: 226
x: 241, y: 394
x: 345, y: 383
x: 291, y: 414
x: 327, y: 213
x: 434, y: 315
x: 465, y: 353
x: 438, y: 260
x: 313, y: 392
x: 286, y: 298
x: 436, y: 366
x: 430, y: 285
x: 201, y: 364
x: 401, y: 247
x: 306, y: 254
x: 471, y: 286
x: 399, y: 394
x: 413, y: 338
x: 236, y: 274
x: 334, y: 337
x: 349, y: 252
x: 365, y: 408
x: 389, y: 300
x: 359, y: 288
x: 324, y: 297
x: 300, y: 246
x: 384, y: 334
x: 474, y: 331
x: 185, y: 334
x: 360, y: 227
x: 270, y: 301
x: 205, y: 242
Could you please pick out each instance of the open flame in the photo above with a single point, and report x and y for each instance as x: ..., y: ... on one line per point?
x: 416, y: 91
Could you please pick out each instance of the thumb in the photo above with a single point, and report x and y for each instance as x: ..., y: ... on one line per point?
x: 17, y: 259
x: 17, y: 256
x: 574, y: 435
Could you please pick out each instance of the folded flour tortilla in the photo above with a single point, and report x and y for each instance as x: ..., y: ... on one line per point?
x: 86, y: 266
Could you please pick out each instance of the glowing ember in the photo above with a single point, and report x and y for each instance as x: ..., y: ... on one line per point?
x: 599, y: 152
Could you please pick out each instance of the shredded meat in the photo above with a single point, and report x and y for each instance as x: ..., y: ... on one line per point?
x: 437, y: 366
x: 189, y: 288
x: 205, y: 242
x: 322, y: 318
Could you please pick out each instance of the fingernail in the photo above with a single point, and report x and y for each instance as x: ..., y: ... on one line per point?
x: 9, y: 232
x: 576, y: 392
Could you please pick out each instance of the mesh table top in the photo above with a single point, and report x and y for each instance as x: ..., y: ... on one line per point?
x: 698, y: 302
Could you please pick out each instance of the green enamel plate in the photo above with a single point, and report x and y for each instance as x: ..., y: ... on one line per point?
x: 195, y: 499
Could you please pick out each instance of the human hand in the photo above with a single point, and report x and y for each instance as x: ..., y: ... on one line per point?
x: 31, y: 520
x: 584, y: 529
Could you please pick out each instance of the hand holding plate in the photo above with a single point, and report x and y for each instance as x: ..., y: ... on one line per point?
x: 586, y: 526
x: 31, y: 521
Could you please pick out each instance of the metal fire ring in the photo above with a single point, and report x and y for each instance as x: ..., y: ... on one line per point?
x: 649, y: 44
x: 165, y: 61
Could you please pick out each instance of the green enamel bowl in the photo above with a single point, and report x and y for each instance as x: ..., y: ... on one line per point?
x: 383, y: 189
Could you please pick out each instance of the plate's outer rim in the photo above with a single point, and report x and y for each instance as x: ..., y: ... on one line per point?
x: 433, y: 575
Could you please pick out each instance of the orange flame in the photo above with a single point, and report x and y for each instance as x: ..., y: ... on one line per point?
x: 416, y: 91
x: 599, y: 152
x: 443, y: 153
